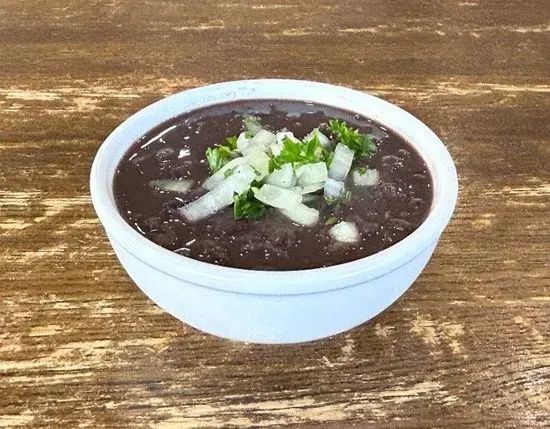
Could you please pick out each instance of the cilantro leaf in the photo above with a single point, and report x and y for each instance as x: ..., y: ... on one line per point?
x: 232, y: 142
x: 297, y: 153
x: 331, y: 221
x: 361, y: 144
x: 216, y: 159
x: 220, y: 155
x: 246, y: 206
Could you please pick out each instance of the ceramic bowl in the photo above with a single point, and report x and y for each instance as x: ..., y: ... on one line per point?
x: 274, y: 306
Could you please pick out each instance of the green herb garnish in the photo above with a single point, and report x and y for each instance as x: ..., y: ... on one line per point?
x: 362, y: 171
x: 361, y: 144
x: 232, y: 142
x: 331, y: 221
x: 252, y: 124
x: 297, y: 153
x: 246, y: 206
x: 220, y: 155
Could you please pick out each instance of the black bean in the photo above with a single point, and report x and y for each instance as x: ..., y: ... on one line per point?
x: 152, y: 224
x: 165, y: 239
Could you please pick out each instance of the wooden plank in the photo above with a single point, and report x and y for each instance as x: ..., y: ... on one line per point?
x: 467, y: 346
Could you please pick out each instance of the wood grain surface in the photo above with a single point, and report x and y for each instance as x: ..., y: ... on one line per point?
x: 467, y: 346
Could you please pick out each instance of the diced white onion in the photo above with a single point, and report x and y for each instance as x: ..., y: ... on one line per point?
x: 180, y: 186
x: 256, y: 159
x: 221, y: 196
x: 275, y: 148
x: 219, y: 176
x: 288, y: 134
x: 243, y: 142
x: 341, y: 163
x: 282, y: 177
x: 302, y: 214
x: 261, y: 141
x: 344, y: 232
x: 277, y: 197
x: 371, y: 177
x: 252, y: 124
x: 333, y: 188
x: 324, y: 140
x: 309, y: 174
x: 259, y: 161
x: 308, y: 189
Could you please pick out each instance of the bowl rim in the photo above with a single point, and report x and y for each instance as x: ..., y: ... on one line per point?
x: 294, y: 282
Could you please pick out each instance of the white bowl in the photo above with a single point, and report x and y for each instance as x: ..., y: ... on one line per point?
x: 274, y: 306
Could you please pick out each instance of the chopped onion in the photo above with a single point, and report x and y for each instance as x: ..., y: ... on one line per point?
x: 341, y: 163
x: 282, y: 177
x: 243, y: 141
x: 323, y: 140
x: 256, y: 159
x: 261, y: 141
x: 219, y: 176
x: 252, y: 124
x: 308, y: 189
x: 180, y: 186
x: 302, y: 214
x: 275, y: 148
x: 288, y: 134
x: 345, y: 232
x: 221, y: 196
x: 259, y: 161
x: 277, y: 197
x: 311, y: 173
x: 333, y: 188
x: 370, y: 177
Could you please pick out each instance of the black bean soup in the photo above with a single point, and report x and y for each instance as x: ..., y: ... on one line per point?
x: 383, y: 214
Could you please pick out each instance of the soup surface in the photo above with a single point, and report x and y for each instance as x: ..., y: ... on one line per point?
x: 383, y: 213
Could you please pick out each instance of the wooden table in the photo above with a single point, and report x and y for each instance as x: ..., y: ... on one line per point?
x: 467, y: 346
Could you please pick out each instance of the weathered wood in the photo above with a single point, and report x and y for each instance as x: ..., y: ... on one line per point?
x: 467, y: 346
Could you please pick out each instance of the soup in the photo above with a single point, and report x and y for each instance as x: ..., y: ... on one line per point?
x: 273, y: 185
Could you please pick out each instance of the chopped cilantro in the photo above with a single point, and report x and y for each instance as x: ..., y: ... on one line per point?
x: 252, y: 124
x: 361, y: 144
x: 246, y: 206
x: 220, y: 155
x: 362, y: 171
x: 331, y: 221
x: 297, y: 153
x: 232, y: 142
x: 216, y: 159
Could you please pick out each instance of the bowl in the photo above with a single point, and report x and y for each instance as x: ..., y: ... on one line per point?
x: 274, y: 306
